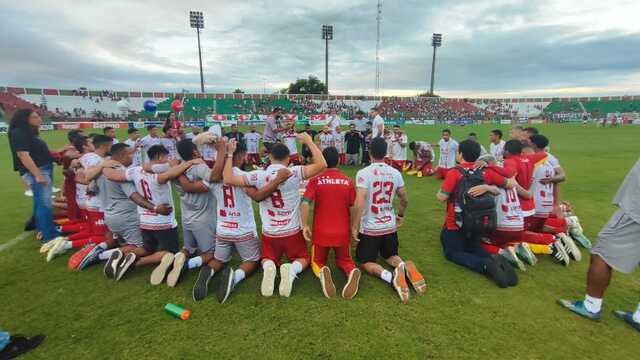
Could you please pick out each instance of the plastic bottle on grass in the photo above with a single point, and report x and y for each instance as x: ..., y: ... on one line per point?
x: 177, y: 311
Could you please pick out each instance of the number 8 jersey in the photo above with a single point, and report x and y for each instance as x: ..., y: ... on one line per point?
x: 382, y: 182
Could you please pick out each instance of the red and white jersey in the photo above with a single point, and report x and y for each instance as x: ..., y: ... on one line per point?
x: 147, y: 142
x: 92, y: 202
x: 326, y: 140
x: 137, y: 156
x: 423, y: 149
x: 382, y: 183
x: 208, y: 152
x: 508, y: 210
x: 338, y: 138
x: 289, y: 139
x: 171, y: 145
x: 252, y: 139
x: 280, y: 212
x: 147, y: 185
x: 543, y: 193
x: 235, y: 220
x: 448, y: 150
x: 497, y: 151
x: 398, y: 151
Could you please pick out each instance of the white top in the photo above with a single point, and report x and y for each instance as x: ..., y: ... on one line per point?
x: 334, y: 122
x: 382, y: 182
x: 216, y: 129
x: 361, y: 124
x: 171, y: 145
x: 148, y: 142
x: 137, y: 156
x: 422, y: 148
x: 398, y: 151
x: 378, y: 120
x: 338, y: 139
x: 508, y: 211
x: 543, y: 193
x: 208, y: 152
x: 235, y: 220
x: 147, y: 185
x: 326, y: 140
x: 289, y: 139
x: 280, y: 213
x: 114, y: 141
x: 497, y: 151
x: 448, y: 150
x: 252, y: 139
x: 88, y: 160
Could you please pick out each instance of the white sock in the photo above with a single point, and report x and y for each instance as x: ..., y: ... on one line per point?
x: 636, y: 315
x: 296, y: 266
x: 105, y: 255
x: 67, y: 245
x: 103, y: 245
x: 194, y: 262
x: 592, y: 304
x: 386, y: 276
x: 213, y: 272
x: 238, y: 276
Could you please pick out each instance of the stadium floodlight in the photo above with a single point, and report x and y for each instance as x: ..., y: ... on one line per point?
x: 327, y: 34
x: 197, y: 22
x: 436, y: 42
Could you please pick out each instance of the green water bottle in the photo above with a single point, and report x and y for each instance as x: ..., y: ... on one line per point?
x: 177, y: 311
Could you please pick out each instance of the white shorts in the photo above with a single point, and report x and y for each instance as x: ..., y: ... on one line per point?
x: 249, y: 250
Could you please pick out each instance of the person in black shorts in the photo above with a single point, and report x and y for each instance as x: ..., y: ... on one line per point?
x: 306, y: 153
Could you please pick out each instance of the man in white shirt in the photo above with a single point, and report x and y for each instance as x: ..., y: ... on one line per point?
x: 377, y: 124
x: 423, y: 156
x: 448, y: 150
x: 399, y: 141
x: 252, y: 139
x: 290, y: 140
x: 474, y: 137
x: 496, y: 148
x: 338, y: 139
x: 334, y: 122
x: 325, y: 139
x: 148, y: 141
x: 133, y: 141
x: 111, y: 132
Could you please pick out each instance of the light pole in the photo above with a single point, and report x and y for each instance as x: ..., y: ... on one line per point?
x: 436, y: 42
x: 327, y: 34
x: 197, y: 22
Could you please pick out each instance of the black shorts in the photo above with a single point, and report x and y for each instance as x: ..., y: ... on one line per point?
x: 370, y: 246
x: 160, y: 240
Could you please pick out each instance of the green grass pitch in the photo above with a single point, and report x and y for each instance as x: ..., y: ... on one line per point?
x: 463, y: 315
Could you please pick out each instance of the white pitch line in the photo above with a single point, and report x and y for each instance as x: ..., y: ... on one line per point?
x: 14, y: 241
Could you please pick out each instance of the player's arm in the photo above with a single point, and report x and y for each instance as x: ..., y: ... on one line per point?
x: 176, y: 171
x: 114, y: 175
x: 415, y: 161
x: 558, y: 177
x: 358, y: 209
x: 448, y: 186
x: 318, y: 163
x: 192, y: 186
x: 227, y: 172
x: 162, y: 209
x: 304, y: 218
x: 266, y: 191
x: 404, y: 202
x: 216, y: 172
x: 380, y: 127
x: 482, y: 189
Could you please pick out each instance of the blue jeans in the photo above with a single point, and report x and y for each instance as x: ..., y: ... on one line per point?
x: 42, y: 207
x: 464, y: 252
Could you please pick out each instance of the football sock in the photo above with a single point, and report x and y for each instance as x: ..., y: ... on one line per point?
x: 105, y: 255
x: 103, y: 245
x: 386, y: 275
x: 213, y: 272
x: 296, y: 266
x: 592, y: 304
x: 540, y: 249
x: 194, y: 262
x: 238, y: 276
x: 67, y: 245
x: 636, y: 315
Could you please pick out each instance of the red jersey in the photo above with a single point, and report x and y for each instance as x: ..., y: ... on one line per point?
x: 522, y: 166
x: 450, y: 184
x: 333, y: 194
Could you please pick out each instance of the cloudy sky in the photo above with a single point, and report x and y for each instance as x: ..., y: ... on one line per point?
x: 490, y: 48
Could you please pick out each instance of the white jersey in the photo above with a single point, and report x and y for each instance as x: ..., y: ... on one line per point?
x: 448, y: 150
x: 338, y: 139
x: 553, y: 161
x: 382, y: 182
x: 208, y: 152
x: 280, y: 213
x: 252, y: 139
x: 326, y: 140
x: 509, y: 213
x: 334, y: 122
x: 378, y: 120
x: 216, y: 129
x: 399, y: 152
x: 137, y: 156
x: 235, y: 220
x: 147, y: 185
x: 542, y: 193
x: 423, y: 149
x: 289, y: 139
x: 171, y: 145
x: 115, y: 141
x: 88, y: 160
x: 497, y: 151
x: 148, y: 142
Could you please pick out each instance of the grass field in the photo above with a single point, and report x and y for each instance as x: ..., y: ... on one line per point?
x: 463, y: 315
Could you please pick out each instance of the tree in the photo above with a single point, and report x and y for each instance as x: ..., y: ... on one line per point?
x: 238, y: 91
x: 427, y: 94
x: 312, y: 85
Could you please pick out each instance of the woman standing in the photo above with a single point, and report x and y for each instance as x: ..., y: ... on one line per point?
x: 173, y: 123
x: 33, y: 161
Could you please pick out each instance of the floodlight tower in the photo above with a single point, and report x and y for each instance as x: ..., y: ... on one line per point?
x: 436, y: 42
x: 378, y: 20
x: 327, y: 34
x: 197, y: 22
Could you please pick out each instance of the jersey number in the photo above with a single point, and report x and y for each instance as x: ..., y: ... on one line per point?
x: 146, y: 190
x: 227, y: 195
x: 276, y: 200
x: 383, y: 192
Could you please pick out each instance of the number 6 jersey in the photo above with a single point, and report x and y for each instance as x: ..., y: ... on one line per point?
x: 382, y: 182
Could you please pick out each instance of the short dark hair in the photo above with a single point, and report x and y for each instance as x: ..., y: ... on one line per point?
x: 378, y: 148
x: 470, y: 150
x: 369, y: 123
x: 473, y: 134
x: 117, y: 148
x: 150, y: 127
x: 79, y: 142
x: 412, y: 145
x: 497, y: 132
x: 132, y: 130
x: 446, y: 131
x: 531, y: 130
x: 331, y: 156
x: 513, y: 147
x: 156, y: 151
x: 279, y: 152
x: 396, y: 126
x: 107, y: 128
x: 101, y: 140
x: 241, y: 148
x: 540, y: 141
x: 185, y: 149
x: 72, y: 134
x: 206, y: 128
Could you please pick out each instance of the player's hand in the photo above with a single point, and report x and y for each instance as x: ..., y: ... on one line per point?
x: 41, y: 179
x: 282, y: 175
x: 75, y: 163
x: 399, y: 220
x: 196, y: 161
x: 163, y: 209
x: 480, y: 164
x: 477, y: 190
x: 220, y: 144
x: 231, y: 146
x: 306, y: 232
x: 546, y: 180
x: 304, y: 138
x: 354, y: 235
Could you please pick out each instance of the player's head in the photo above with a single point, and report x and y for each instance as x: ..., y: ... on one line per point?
x: 516, y: 132
x: 513, y: 147
x: 338, y: 129
x: 495, y: 136
x: 72, y: 134
x: 468, y: 151
x: 102, y: 143
x: 331, y: 156
x: 279, y: 154
x: 195, y: 130
x: 352, y: 127
x: 252, y: 127
x: 378, y: 149
x: 133, y: 133
x: 359, y: 114
x: 240, y: 155
x: 83, y: 144
x: 373, y: 113
x: 326, y: 129
x: 234, y: 128
x: 489, y: 159
x: 369, y: 125
x: 120, y: 153
x: 109, y: 131
x: 170, y: 132
x: 446, y: 134
x: 412, y: 146
x: 205, y: 129
x: 187, y: 149
x: 530, y: 131
x: 538, y: 142
x: 473, y: 137
x: 158, y: 154
x: 171, y: 117
x: 277, y: 111
x: 397, y: 130
x: 152, y: 130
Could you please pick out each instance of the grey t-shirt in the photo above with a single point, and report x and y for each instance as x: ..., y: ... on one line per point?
x: 198, y: 209
x: 114, y: 197
x: 628, y: 196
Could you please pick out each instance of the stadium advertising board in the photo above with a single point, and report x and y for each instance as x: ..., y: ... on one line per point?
x: 4, y: 128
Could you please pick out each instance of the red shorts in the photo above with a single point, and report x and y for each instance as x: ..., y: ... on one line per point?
x: 293, y: 246
x: 343, y: 258
x: 253, y: 158
x: 425, y: 168
x: 96, y: 222
x: 441, y: 173
x: 398, y: 164
x: 342, y: 159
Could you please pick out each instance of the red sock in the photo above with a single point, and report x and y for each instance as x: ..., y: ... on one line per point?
x: 537, y: 238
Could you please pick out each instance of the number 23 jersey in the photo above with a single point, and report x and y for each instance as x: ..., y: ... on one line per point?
x: 381, y: 182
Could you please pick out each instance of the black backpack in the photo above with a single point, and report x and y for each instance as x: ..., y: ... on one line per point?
x: 475, y: 215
